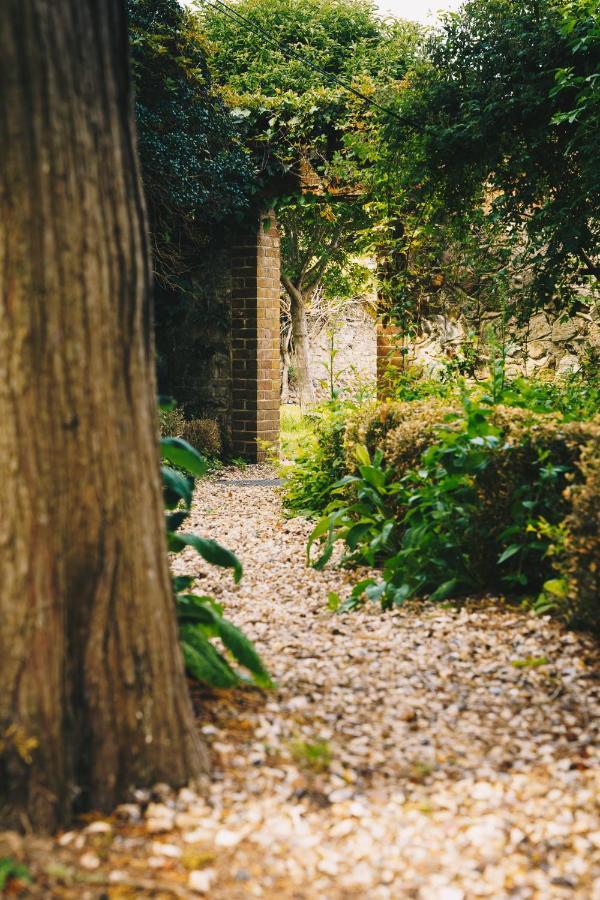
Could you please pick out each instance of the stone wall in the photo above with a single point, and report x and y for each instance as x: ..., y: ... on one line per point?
x: 547, y: 342
x: 355, y: 344
x: 554, y: 343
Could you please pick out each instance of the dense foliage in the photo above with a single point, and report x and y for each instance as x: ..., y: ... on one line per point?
x: 297, y: 76
x: 498, y: 139
x: 453, y: 489
x: 197, y: 174
x: 278, y: 62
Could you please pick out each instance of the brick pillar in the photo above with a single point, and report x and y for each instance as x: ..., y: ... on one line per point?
x: 255, y: 300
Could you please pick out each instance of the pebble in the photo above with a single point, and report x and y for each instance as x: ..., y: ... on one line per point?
x: 89, y: 860
x: 173, y: 851
x: 159, y: 818
x: 67, y: 838
x: 99, y: 827
x: 226, y: 838
x: 128, y: 812
x: 200, y: 880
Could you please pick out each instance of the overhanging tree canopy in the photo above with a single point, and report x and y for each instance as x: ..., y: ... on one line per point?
x: 198, y: 176
x: 501, y: 119
x: 296, y: 76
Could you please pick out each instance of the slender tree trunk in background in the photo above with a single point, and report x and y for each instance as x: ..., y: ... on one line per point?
x: 285, y: 345
x: 93, y: 696
x: 301, y: 343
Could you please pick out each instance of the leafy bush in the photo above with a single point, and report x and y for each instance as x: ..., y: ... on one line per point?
x: 404, y: 429
x: 309, y: 481
x: 411, y: 385
x: 575, y: 396
x: 404, y: 426
x: 197, y: 176
x: 204, y: 435
x: 201, y: 618
x: 453, y: 499
x: 172, y: 421
x: 577, y: 552
x: 296, y: 431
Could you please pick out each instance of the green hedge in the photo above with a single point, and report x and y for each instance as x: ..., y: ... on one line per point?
x: 451, y: 498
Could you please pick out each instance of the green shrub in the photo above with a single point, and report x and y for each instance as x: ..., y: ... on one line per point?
x: 367, y: 426
x: 574, y: 396
x: 412, y: 385
x: 204, y: 435
x: 309, y: 481
x: 451, y: 500
x: 172, y: 421
x: 404, y: 426
x: 578, y: 554
x: 296, y: 431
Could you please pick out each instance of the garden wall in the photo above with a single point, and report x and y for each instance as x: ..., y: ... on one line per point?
x: 217, y: 336
x: 547, y: 342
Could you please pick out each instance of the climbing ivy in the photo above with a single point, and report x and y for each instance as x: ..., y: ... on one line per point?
x: 197, y: 173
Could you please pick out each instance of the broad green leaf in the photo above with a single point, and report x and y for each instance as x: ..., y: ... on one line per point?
x: 177, y: 487
x: 361, y: 586
x: 182, y: 583
x: 557, y: 587
x: 175, y: 520
x: 373, y: 476
x: 362, y: 455
x: 510, y: 551
x: 347, y: 479
x: 320, y: 563
x: 356, y: 534
x: 400, y: 594
x: 178, y: 452
x: 321, y: 528
x: 375, y: 591
x: 203, y: 661
x: 210, y: 550
x: 444, y: 590
x: 244, y: 652
x: 190, y: 609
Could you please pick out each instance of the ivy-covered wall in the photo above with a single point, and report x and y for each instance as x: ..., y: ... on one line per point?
x: 193, y: 338
x: 218, y: 338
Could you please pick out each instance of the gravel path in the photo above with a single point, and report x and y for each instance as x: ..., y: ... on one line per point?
x: 427, y: 753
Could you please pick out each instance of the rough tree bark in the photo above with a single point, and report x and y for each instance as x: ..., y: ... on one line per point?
x: 93, y: 696
x: 301, y: 341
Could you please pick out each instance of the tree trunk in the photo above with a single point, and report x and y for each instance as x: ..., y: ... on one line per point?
x: 301, y: 343
x: 285, y: 348
x: 93, y: 697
